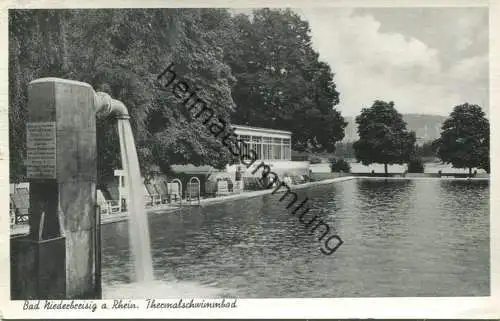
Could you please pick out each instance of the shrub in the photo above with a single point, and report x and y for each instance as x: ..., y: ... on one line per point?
x: 339, y: 165
x: 416, y: 165
x: 314, y: 160
x: 252, y: 183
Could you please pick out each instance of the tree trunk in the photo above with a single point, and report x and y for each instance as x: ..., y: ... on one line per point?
x: 63, y: 48
x: 385, y: 169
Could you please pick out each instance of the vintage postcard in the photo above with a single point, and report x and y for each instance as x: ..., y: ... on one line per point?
x: 305, y: 159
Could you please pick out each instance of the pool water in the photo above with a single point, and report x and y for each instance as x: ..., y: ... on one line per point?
x: 425, y: 237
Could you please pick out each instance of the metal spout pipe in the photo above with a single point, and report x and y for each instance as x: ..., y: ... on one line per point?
x: 105, y: 106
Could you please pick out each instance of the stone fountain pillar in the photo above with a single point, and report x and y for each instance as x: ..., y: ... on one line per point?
x: 57, y: 259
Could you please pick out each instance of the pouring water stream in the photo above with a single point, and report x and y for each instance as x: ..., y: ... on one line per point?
x: 138, y: 220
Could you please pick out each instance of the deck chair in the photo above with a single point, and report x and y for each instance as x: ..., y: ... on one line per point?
x: 173, y: 191
x: 238, y: 186
x: 12, y: 212
x: 21, y: 202
x: 160, y: 185
x: 148, y: 200
x: 193, y: 192
x: 155, y: 196
x: 222, y: 188
x: 114, y: 198
x: 162, y: 192
x: 210, y: 188
x: 103, y: 203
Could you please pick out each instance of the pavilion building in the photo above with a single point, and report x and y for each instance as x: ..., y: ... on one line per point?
x: 272, y: 146
x: 268, y: 144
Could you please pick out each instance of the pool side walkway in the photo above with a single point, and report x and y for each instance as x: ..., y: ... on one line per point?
x: 245, y: 195
x: 169, y: 208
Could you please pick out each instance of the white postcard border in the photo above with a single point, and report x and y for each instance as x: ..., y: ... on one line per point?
x: 470, y: 307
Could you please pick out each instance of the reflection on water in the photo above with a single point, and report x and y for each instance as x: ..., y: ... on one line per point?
x: 401, y: 238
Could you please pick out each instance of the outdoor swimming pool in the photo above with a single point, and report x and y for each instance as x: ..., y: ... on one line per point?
x: 422, y: 237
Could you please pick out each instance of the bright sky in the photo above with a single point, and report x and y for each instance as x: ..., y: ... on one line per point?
x: 426, y: 60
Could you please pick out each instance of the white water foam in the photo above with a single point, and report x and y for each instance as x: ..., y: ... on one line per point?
x: 163, y: 290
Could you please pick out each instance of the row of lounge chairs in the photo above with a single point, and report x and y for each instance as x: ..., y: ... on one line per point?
x: 161, y: 192
x: 154, y: 195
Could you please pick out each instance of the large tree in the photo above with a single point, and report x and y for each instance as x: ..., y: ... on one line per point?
x: 281, y: 83
x: 383, y: 137
x: 122, y: 52
x: 465, y: 138
x: 37, y: 48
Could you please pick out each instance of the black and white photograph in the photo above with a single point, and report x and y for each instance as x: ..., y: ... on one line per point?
x: 196, y: 157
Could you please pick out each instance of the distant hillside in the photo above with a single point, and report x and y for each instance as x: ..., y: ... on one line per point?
x: 427, y: 127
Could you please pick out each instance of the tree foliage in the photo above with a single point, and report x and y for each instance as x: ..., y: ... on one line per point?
x: 465, y: 138
x: 122, y: 52
x: 339, y: 165
x: 313, y: 159
x: 261, y: 71
x: 383, y: 137
x: 281, y: 82
x: 37, y: 48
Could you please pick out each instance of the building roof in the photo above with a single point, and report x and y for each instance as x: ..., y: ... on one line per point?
x: 260, y: 129
x: 192, y: 169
